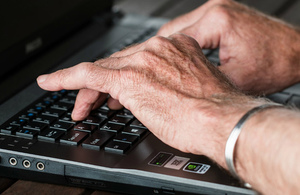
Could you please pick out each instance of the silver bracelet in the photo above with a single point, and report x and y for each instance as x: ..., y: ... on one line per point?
x: 232, y: 139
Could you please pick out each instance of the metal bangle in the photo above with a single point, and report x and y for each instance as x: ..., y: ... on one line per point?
x: 233, y: 137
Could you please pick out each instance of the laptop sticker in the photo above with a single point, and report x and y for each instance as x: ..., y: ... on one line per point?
x: 160, y: 159
x: 177, y: 162
x: 196, y: 168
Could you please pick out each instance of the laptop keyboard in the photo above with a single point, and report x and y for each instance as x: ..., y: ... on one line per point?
x: 49, y: 120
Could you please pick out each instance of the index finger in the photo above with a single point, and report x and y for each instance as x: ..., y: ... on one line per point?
x: 81, y: 76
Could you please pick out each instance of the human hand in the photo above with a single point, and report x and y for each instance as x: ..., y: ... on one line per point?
x: 260, y: 54
x: 168, y: 84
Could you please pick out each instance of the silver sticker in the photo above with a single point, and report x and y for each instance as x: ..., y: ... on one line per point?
x: 177, y: 162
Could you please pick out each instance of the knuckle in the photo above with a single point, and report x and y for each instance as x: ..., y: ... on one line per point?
x: 87, y: 71
x: 157, y: 41
x: 183, y: 38
x: 227, y: 2
x: 220, y: 10
x: 84, y: 67
x: 62, y: 77
x: 221, y: 14
x: 145, y: 56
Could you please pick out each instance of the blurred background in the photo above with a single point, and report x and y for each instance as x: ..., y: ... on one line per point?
x: 288, y: 10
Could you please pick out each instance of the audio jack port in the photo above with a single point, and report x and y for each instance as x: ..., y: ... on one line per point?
x: 26, y: 163
x: 13, y: 161
x: 40, y: 166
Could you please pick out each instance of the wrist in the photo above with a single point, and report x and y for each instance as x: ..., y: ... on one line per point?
x: 267, y: 146
x: 218, y: 121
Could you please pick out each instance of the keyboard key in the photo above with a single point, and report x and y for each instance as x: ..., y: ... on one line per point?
x: 53, y: 112
x: 62, y: 126
x: 63, y: 92
x: 94, y: 120
x: 84, y: 127
x: 44, y: 119
x: 73, y: 137
x: 134, y: 131
x: 126, y: 138
x: 137, y: 123
x: 51, y: 135
x: 18, y: 122
x: 104, y: 107
x: 27, y: 116
x: 35, y: 126
x: 102, y: 113
x: 111, y: 127
x: 117, y: 147
x: 67, y: 118
x: 68, y: 100
x: 97, y: 140
x: 36, y: 110
x: 119, y: 120
x: 27, y: 133
x: 51, y: 98
x: 72, y: 94
x: 125, y: 114
x: 9, y: 129
x: 295, y: 101
x: 44, y: 104
x: 61, y: 106
x: 56, y: 93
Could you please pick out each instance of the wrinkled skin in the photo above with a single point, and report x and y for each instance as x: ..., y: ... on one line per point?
x: 255, y: 51
x: 168, y: 85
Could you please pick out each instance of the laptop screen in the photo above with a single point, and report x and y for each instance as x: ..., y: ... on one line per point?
x: 28, y: 26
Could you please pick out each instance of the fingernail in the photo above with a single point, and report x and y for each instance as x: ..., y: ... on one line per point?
x: 42, y: 78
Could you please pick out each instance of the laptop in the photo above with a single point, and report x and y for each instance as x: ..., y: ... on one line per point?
x: 109, y: 150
